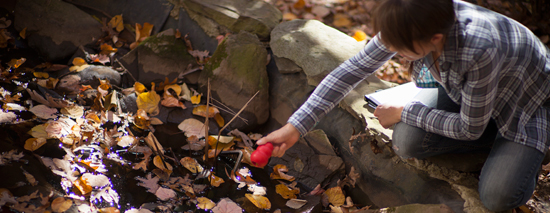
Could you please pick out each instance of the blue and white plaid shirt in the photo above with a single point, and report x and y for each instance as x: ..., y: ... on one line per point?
x: 491, y: 65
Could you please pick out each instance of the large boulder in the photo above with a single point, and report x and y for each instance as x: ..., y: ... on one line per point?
x: 55, y: 28
x: 254, y: 16
x: 237, y: 70
x: 158, y: 57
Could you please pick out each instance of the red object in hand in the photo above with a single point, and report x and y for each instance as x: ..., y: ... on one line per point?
x: 261, y: 155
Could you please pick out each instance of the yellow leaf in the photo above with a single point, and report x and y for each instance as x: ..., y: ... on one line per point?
x: 41, y: 74
x: 286, y: 192
x: 201, y: 111
x: 78, y: 61
x: 289, y: 16
x: 149, y: 101
x: 61, y: 204
x: 336, y: 196
x: 23, y: 33
x: 157, y: 161
x: 215, y: 181
x: 212, y: 139
x: 205, y: 203
x: 141, y: 120
x: 196, y: 99
x: 191, y: 164
x: 93, y: 117
x: 259, y: 201
x: 32, y: 144
x: 15, y: 63
x: 117, y: 23
x: 341, y: 20
x: 279, y: 173
x: 219, y: 120
x: 300, y: 4
x: 175, y: 87
x: 107, y: 49
x: 39, y: 131
x: 78, y: 68
x: 139, y: 87
x: 109, y: 210
x: 82, y: 186
x: 143, y: 32
x: 360, y: 35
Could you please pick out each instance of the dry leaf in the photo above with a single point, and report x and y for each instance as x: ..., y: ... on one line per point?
x: 98, y: 180
x: 335, y: 196
x: 296, y: 203
x: 289, y: 16
x: 4, y: 23
x: 157, y: 161
x: 336, y: 209
x: 15, y: 63
x: 341, y: 20
x: 374, y: 147
x: 192, y: 127
x: 109, y: 210
x: 150, y: 183
x: 117, y: 23
x: 126, y: 141
x: 30, y: 178
x: 196, y: 99
x: 74, y: 111
x: 39, y: 131
x: 286, y: 192
x: 82, y: 186
x: 107, y: 49
x: 149, y: 101
x: 320, y: 11
x: 259, y: 201
x: 139, y: 87
x: 44, y: 112
x: 226, y: 205
x: 279, y: 173
x: 41, y: 74
x: 219, y: 120
x: 61, y: 204
x: 165, y: 194
x: 154, y: 143
x: 172, y: 102
x: 300, y: 4
x: 257, y: 190
x: 194, y: 144
x: 205, y: 203
x: 7, y: 117
x: 176, y: 88
x: 7, y: 197
x: 215, y: 181
x: 141, y: 120
x: 201, y: 111
x: 191, y: 164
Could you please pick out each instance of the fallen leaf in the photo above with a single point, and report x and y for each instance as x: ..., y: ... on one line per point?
x: 74, y: 111
x: 109, y: 210
x: 139, y: 87
x: 141, y: 120
x: 30, y: 178
x: 82, y: 186
x: 196, y: 99
x: 226, y: 205
x: 157, y: 161
x: 7, y: 197
x: 107, y: 49
x: 201, y: 111
x: 336, y: 209
x: 44, y: 112
x: 286, y: 192
x: 359, y: 35
x: 176, y: 88
x: 78, y: 61
x: 219, y: 120
x: 341, y: 20
x: 259, y: 201
x: 289, y: 16
x: 98, y: 180
x: 374, y: 147
x: 4, y: 23
x: 257, y: 190
x: 191, y: 164
x: 194, y: 144
x: 320, y: 11
x: 149, y: 101
x: 279, y: 173
x: 39, y: 131
x: 152, y: 141
x: 296, y: 203
x: 149, y: 182
x: 172, y: 102
x: 192, y: 127
x: 215, y: 181
x: 126, y: 141
x: 165, y: 194
x: 41, y: 74
x: 205, y: 203
x: 7, y: 117
x: 117, y: 23
x: 300, y: 4
x: 107, y: 194
x: 61, y: 204
x: 335, y: 196
x: 15, y: 63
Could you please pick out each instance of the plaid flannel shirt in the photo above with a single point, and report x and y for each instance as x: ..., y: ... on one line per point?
x: 491, y: 65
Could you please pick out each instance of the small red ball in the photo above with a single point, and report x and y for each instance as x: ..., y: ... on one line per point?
x: 261, y: 155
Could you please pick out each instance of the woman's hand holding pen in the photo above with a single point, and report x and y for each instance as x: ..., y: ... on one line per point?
x: 388, y: 114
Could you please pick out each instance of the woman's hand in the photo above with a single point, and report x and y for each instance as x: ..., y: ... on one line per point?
x: 388, y: 114
x: 282, y: 139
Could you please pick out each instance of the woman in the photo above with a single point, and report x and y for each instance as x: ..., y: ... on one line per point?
x: 494, y: 77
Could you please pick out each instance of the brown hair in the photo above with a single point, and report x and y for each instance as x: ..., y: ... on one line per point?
x: 400, y: 22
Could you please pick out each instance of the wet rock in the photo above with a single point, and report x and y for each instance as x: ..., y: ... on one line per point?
x: 312, y: 160
x: 55, y: 28
x: 154, y: 12
x: 237, y: 71
x: 254, y: 16
x: 314, y: 46
x: 70, y: 84
x: 158, y: 57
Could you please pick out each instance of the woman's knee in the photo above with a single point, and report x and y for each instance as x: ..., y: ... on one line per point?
x: 499, y: 199
x: 407, y: 140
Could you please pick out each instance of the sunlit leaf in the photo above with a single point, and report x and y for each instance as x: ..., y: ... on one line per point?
x: 212, y: 139
x: 78, y: 61
x: 109, y: 210
x: 139, y: 87
x: 39, y: 131
x: 359, y: 35
x: 126, y: 141
x: 149, y: 101
x: 286, y: 192
x: 175, y: 87
x: 215, y: 181
x: 226, y: 205
x: 205, y: 203
x: 74, y: 111
x: 13, y: 107
x: 259, y: 201
x: 61, y: 204
x: 117, y: 23
x: 279, y: 173
x: 44, y: 112
x: 41, y: 74
x: 201, y: 111
x: 7, y: 117
x: 289, y: 16
x: 196, y: 99
x: 15, y: 63
x: 141, y: 120
x: 336, y: 196
x: 191, y: 164
x: 192, y: 127
x: 296, y: 203
x: 82, y: 186
x: 185, y: 92
x: 97, y: 180
x: 157, y: 160
x: 32, y: 144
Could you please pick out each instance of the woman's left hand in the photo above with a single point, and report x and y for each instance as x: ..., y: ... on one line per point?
x: 388, y: 114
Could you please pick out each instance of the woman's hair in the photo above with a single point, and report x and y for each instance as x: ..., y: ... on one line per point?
x: 400, y: 22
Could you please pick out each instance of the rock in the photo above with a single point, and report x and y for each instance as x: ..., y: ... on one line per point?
x: 254, y: 16
x: 419, y: 208
x: 70, y: 84
x: 158, y: 57
x: 286, y: 65
x: 237, y: 71
x: 55, y: 28
x: 187, y: 26
x: 314, y: 46
x: 154, y: 12
x: 311, y: 160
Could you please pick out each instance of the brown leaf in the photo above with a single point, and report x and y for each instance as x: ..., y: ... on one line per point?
x: 259, y: 201
x: 374, y: 147
x: 226, y: 205
x: 336, y: 196
x: 279, y: 173
x: 61, y: 204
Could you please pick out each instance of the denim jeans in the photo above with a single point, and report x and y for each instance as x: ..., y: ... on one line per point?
x: 509, y: 175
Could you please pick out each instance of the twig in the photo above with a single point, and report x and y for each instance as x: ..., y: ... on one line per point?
x: 228, y: 110
x: 206, y: 121
x: 238, y: 113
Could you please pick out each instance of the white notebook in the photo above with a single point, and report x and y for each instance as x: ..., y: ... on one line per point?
x: 400, y: 94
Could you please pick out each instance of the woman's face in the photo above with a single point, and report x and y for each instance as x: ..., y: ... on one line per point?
x: 422, y: 49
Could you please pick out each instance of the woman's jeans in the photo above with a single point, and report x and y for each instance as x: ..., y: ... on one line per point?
x: 509, y: 175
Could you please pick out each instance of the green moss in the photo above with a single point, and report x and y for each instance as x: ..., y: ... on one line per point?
x: 165, y: 46
x: 219, y: 55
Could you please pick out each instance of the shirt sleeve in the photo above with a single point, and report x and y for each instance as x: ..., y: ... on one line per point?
x: 338, y: 83
x: 479, y: 91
